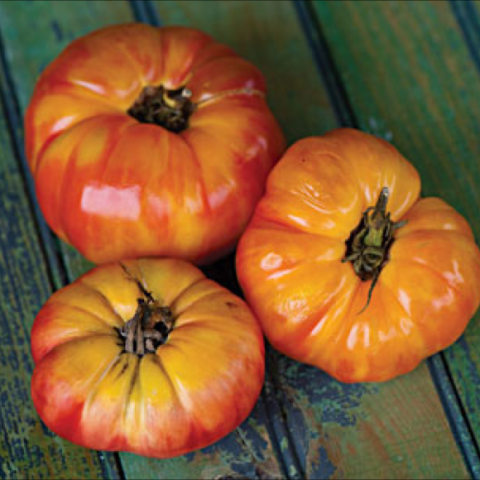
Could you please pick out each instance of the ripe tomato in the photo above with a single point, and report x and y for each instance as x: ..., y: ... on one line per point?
x: 347, y: 269
x: 149, y: 141
x: 147, y: 356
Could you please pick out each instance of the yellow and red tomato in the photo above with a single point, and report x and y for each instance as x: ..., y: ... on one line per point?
x: 146, y: 356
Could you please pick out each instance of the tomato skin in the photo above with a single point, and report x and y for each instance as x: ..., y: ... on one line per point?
x: 115, y: 188
x: 309, y: 302
x: 196, y: 388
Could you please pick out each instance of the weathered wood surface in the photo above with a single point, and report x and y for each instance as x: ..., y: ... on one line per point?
x: 417, y: 83
x: 27, y: 448
x: 406, y: 71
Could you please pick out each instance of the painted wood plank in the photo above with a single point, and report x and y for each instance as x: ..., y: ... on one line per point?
x: 27, y: 448
x: 412, y: 75
x: 333, y: 430
x: 464, y: 358
x: 248, y: 450
x: 308, y: 444
x: 29, y: 272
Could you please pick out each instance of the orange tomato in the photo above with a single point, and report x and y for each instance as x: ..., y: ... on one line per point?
x: 347, y: 269
x: 147, y: 356
x: 149, y: 141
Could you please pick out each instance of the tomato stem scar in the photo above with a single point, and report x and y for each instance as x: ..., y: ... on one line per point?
x: 170, y: 109
x: 149, y: 327
x: 369, y: 243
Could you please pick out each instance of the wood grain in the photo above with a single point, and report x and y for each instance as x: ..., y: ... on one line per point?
x: 421, y: 90
x: 27, y: 448
x: 305, y: 424
x: 464, y: 358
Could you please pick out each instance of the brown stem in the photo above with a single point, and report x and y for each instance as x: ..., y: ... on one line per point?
x: 149, y: 327
x: 370, y: 242
x: 170, y: 109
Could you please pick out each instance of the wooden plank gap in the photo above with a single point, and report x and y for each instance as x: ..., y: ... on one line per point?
x: 143, y: 11
x: 325, y: 63
x: 276, y: 416
x: 48, y: 246
x: 273, y: 411
x: 115, y: 456
x: 474, y: 17
x: 457, y: 417
x: 467, y: 19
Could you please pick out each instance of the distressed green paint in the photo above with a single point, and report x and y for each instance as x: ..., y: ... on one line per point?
x: 371, y: 431
x: 27, y: 448
x: 395, y: 430
x: 422, y: 91
x: 464, y: 358
x: 242, y: 453
x: 342, y: 425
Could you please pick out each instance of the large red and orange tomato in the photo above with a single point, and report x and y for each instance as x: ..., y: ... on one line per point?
x: 149, y: 141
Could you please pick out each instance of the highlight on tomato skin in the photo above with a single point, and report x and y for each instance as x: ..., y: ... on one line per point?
x: 146, y: 356
x: 348, y: 269
x: 147, y: 141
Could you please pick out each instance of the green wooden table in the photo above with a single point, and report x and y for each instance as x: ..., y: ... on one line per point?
x: 406, y: 71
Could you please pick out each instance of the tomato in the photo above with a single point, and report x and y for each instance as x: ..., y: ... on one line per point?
x: 149, y: 141
x: 146, y: 356
x: 347, y: 269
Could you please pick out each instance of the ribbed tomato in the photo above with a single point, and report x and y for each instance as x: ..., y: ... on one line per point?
x: 147, y: 356
x: 149, y: 141
x: 347, y: 269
